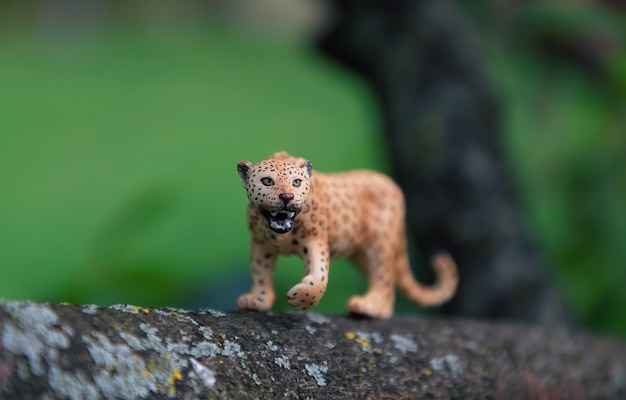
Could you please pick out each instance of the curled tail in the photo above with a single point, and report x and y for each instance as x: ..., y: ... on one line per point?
x: 430, y: 295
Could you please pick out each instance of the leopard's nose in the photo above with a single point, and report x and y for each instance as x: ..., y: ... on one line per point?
x: 285, y: 197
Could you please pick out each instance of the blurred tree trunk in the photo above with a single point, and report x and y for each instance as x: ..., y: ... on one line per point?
x: 424, y: 61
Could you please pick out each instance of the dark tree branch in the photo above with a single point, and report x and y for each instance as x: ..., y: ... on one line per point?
x: 65, y: 351
x: 424, y: 61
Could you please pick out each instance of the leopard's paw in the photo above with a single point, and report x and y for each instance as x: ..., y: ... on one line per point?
x: 370, y: 307
x: 305, y: 294
x: 255, y: 301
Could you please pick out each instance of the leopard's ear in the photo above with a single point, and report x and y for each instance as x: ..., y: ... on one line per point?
x: 308, y: 166
x: 244, y: 167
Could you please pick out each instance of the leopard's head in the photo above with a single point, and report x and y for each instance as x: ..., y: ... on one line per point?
x: 277, y: 187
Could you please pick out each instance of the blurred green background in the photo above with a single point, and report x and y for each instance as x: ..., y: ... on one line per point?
x: 121, y: 126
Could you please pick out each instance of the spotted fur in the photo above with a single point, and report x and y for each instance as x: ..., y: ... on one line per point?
x: 359, y: 214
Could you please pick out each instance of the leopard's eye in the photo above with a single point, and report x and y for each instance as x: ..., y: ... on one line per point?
x: 267, y: 181
x: 297, y: 182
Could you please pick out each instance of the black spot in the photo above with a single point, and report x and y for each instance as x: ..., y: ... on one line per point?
x: 311, y: 283
x: 294, y: 242
x: 305, y: 250
x: 323, y: 277
x: 267, y: 255
x: 259, y: 299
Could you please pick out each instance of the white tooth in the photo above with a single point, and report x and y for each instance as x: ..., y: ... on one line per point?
x: 275, y: 213
x: 290, y: 214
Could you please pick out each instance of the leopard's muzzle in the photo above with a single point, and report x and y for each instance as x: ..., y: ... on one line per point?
x: 280, y: 221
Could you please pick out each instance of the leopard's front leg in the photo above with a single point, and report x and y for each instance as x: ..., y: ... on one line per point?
x: 261, y: 297
x: 316, y: 258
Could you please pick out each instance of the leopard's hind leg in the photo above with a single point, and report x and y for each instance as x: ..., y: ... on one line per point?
x: 377, y: 263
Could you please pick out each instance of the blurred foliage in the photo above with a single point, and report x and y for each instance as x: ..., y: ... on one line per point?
x: 120, y: 129
x: 559, y: 73
x: 118, y: 155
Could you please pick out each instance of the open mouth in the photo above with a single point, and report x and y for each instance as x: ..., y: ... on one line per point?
x: 280, y: 221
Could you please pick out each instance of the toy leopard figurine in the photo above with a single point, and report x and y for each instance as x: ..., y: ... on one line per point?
x: 360, y: 214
